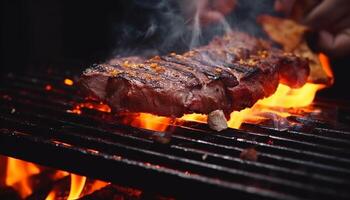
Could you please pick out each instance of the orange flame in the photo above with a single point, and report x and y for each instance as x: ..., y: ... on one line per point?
x: 325, y: 64
x: 96, y: 186
x: 77, y: 186
x: 195, y: 118
x: 151, y: 122
x: 17, y: 175
x: 284, y: 97
x: 51, y: 196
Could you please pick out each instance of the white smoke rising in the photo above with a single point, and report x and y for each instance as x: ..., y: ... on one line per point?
x: 177, y: 25
x: 200, y: 8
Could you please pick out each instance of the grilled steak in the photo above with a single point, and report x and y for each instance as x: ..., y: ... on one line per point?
x: 230, y: 73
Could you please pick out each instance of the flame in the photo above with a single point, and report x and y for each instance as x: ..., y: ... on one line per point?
x: 51, y: 196
x: 17, y: 175
x: 58, y: 175
x: 287, y: 97
x: 68, y: 82
x: 151, y: 122
x: 96, y: 186
x: 77, y: 186
x: 195, y: 118
x: 284, y: 97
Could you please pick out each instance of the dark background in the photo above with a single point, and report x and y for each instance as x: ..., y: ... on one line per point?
x: 62, y: 33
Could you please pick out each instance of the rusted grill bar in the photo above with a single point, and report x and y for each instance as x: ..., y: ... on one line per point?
x: 307, y: 161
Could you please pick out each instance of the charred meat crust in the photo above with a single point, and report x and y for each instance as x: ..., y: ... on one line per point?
x: 230, y: 73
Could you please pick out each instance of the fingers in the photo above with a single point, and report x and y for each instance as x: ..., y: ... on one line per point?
x: 343, y: 24
x: 284, y: 6
x: 210, y: 17
x: 326, y: 14
x: 335, y: 45
x: 214, y: 11
x: 223, y: 6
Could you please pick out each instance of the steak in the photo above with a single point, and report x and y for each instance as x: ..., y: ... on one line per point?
x: 231, y: 73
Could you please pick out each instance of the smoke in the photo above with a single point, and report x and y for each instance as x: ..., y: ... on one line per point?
x: 196, y: 29
x: 201, y: 8
x: 157, y: 27
x: 162, y: 26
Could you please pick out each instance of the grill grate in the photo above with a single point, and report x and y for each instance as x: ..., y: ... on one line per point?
x: 307, y: 161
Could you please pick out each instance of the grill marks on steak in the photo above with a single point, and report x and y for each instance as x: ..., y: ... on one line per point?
x: 230, y: 73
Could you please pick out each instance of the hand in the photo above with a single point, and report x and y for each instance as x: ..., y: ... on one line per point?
x: 208, y: 11
x: 214, y: 10
x: 330, y: 19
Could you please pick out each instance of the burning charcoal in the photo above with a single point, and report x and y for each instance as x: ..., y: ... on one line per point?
x: 116, y: 192
x: 113, y: 192
x: 8, y: 193
x: 249, y: 154
x: 217, y: 120
x: 45, y: 184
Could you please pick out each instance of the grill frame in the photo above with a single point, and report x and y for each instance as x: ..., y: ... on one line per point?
x: 39, y: 119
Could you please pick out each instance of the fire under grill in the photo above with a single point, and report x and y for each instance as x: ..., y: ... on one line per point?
x: 308, y: 159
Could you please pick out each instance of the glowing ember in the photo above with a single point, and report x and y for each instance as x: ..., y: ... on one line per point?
x: 77, y: 186
x: 97, y: 106
x: 48, y: 87
x: 17, y: 175
x: 68, y: 82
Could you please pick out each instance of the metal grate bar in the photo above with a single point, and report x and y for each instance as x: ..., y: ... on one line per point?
x: 298, y: 165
